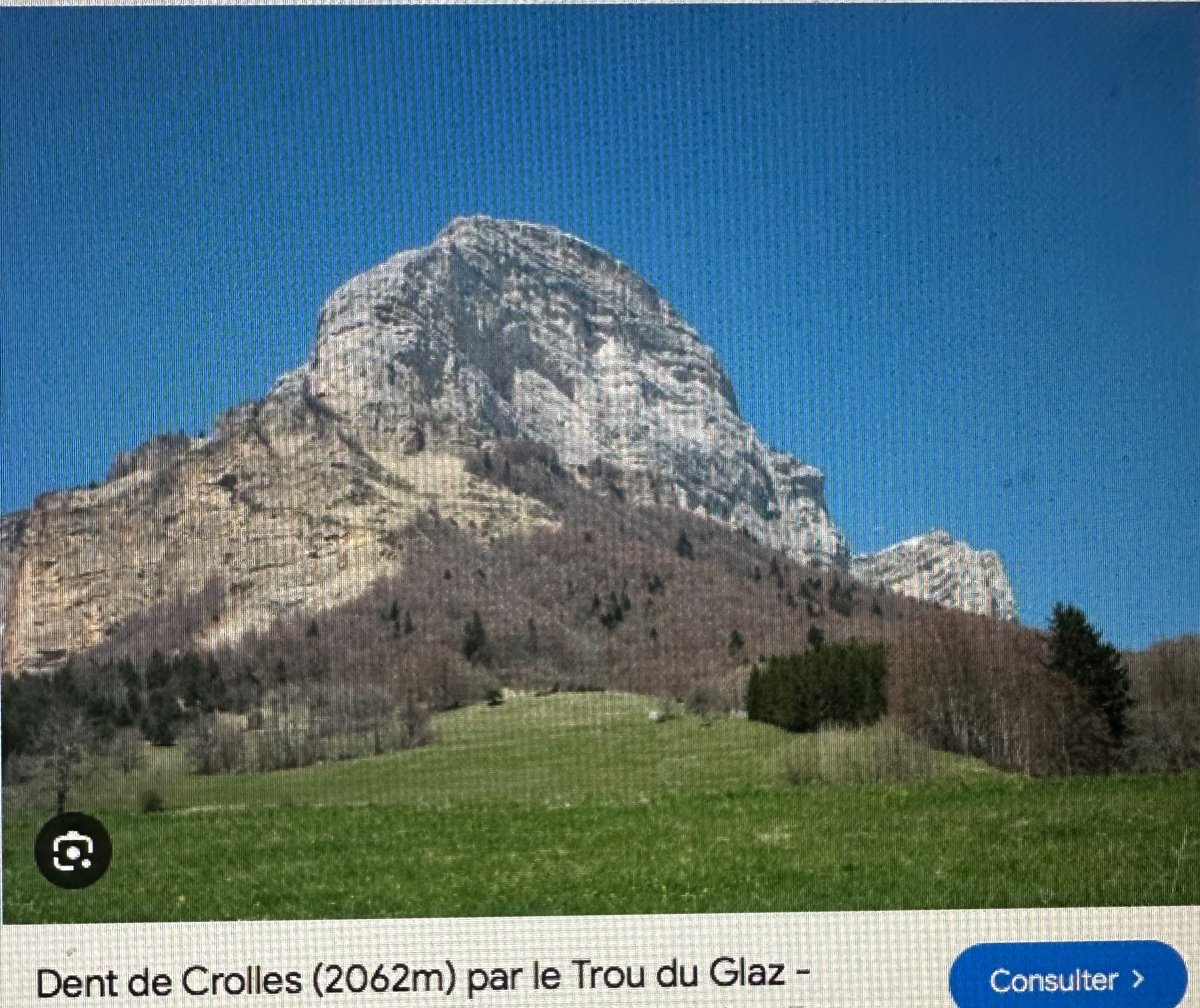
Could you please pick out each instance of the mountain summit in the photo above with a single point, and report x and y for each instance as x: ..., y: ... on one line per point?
x: 506, y: 329
x: 497, y: 330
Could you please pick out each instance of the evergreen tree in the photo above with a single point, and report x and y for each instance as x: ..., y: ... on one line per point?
x: 1079, y: 651
x: 159, y: 720
x: 683, y: 546
x: 131, y: 680
x: 158, y: 672
x: 475, y: 646
x: 841, y: 684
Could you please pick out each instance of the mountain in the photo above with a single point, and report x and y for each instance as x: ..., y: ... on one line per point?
x: 496, y: 331
x: 936, y: 567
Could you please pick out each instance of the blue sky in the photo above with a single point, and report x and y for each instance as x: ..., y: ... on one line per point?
x: 949, y: 254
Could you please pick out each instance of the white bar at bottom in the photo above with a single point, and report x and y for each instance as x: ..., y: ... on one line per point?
x: 801, y: 960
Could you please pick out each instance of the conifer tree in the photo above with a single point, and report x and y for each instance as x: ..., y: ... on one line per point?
x: 1079, y: 651
x: 475, y: 647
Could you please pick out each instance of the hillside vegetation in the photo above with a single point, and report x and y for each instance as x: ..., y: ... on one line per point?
x: 584, y: 804
x: 647, y: 600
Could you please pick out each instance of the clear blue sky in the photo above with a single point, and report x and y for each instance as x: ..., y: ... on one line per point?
x: 949, y: 254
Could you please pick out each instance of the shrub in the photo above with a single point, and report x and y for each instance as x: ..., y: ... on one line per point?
x: 703, y: 700
x: 161, y: 717
x: 839, y: 684
x: 150, y: 801
x: 1164, y: 733
x: 129, y: 750
x: 475, y: 647
x: 615, y: 611
x: 20, y: 768
x: 881, y: 754
x: 215, y: 745
x: 841, y: 598
x: 683, y: 546
x: 282, y: 748
x: 290, y: 737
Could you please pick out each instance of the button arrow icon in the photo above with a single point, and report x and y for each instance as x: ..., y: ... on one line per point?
x: 1138, y: 978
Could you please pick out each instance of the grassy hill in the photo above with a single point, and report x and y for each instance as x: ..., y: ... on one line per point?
x: 580, y: 803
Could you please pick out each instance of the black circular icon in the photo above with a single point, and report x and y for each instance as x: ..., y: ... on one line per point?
x: 72, y: 850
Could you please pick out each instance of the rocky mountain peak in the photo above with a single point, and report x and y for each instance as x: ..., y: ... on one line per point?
x: 509, y: 329
x: 938, y: 568
x: 502, y: 328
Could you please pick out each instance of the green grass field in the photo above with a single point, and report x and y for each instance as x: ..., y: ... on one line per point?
x: 578, y: 803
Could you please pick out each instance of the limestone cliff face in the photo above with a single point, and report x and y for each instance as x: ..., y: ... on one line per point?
x: 935, y: 567
x: 508, y: 329
x: 496, y: 329
x: 279, y: 510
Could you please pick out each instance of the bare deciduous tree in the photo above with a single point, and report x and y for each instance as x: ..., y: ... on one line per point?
x: 128, y: 750
x: 68, y: 746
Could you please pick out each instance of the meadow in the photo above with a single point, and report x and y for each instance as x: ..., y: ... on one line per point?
x: 582, y: 804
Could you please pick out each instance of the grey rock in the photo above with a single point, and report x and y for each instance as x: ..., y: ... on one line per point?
x: 935, y: 567
x: 508, y: 329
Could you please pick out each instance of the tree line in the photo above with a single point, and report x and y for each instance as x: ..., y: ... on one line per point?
x: 1058, y: 703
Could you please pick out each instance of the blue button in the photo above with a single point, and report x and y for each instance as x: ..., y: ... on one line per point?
x: 1117, y: 974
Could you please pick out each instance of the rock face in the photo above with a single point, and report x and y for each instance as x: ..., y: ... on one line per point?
x: 279, y: 510
x: 935, y: 567
x: 496, y: 329
x: 508, y: 329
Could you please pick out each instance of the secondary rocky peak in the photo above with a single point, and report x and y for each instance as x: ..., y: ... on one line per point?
x: 936, y: 567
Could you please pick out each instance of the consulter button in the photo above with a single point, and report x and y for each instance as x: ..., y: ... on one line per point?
x: 1117, y: 974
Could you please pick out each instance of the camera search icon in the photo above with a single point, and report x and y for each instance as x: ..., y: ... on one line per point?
x: 72, y: 850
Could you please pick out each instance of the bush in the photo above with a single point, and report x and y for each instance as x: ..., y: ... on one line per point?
x: 285, y: 747
x: 290, y: 737
x: 683, y: 546
x: 703, y: 700
x: 841, y: 598
x: 161, y: 718
x: 216, y: 745
x: 475, y: 646
x: 129, y: 750
x: 20, y: 768
x: 150, y: 801
x: 881, y: 754
x: 838, y: 684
